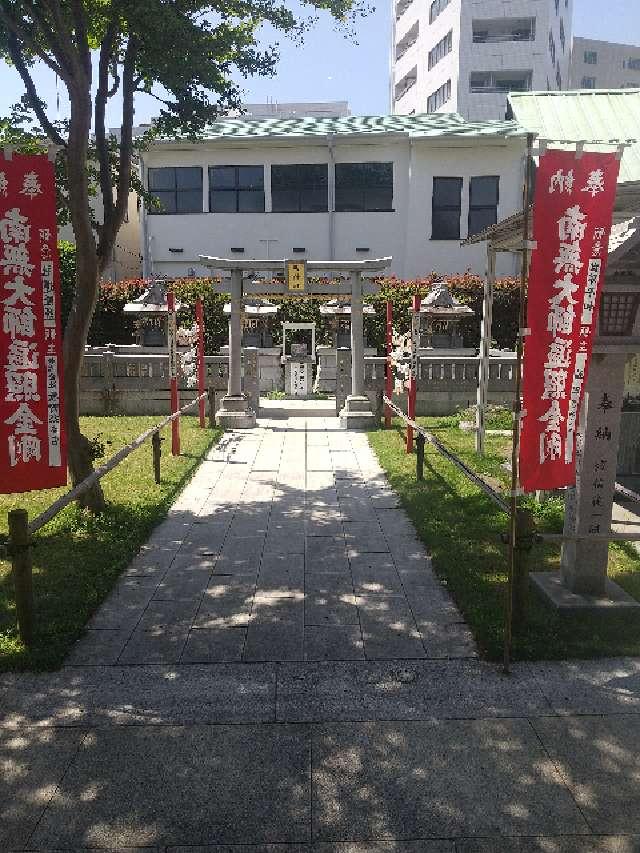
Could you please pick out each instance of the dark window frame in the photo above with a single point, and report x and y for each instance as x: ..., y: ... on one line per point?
x: 174, y: 190
x: 475, y: 208
x: 445, y: 208
x: 237, y: 188
x: 300, y: 186
x: 361, y: 187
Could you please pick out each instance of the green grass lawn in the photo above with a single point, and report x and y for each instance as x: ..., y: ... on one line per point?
x: 461, y: 528
x: 77, y: 557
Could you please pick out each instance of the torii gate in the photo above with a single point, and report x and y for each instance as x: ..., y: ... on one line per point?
x: 235, y: 412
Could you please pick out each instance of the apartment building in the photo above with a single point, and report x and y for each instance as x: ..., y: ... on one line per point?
x: 604, y: 65
x: 332, y: 189
x: 465, y: 56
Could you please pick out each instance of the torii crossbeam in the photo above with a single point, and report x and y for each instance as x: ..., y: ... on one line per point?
x: 235, y: 412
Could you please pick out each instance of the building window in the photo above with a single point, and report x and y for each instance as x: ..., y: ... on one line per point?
x: 552, y: 47
x: 558, y: 77
x: 633, y: 64
x: 299, y: 188
x: 562, y: 39
x: 443, y: 47
x: 236, y: 189
x: 364, y: 187
x: 484, y: 194
x: 557, y: 7
x: 496, y: 30
x: 177, y: 188
x: 484, y: 82
x: 446, y: 204
x: 439, y: 97
x: 591, y: 57
x: 588, y: 83
x: 436, y: 8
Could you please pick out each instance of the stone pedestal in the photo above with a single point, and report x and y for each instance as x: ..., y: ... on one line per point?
x: 298, y: 376
x: 235, y: 413
x: 357, y: 413
x: 583, y: 579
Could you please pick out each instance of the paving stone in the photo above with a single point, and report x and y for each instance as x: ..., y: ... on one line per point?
x: 122, y: 611
x: 588, y: 687
x: 335, y: 642
x: 182, y: 586
x: 446, y: 639
x: 552, y: 844
x: 138, y: 776
x: 98, y: 646
x: 404, y: 690
x: 599, y: 757
x: 156, y: 645
x: 436, y: 779
x: 279, y: 607
x: 275, y: 642
x: 325, y: 547
x: 33, y: 762
x: 167, y: 614
x: 328, y: 583
x: 225, y: 605
x: 364, y: 538
x: 330, y: 609
x: 408, y: 553
x: 212, y: 645
x: 246, y: 547
x: 331, y: 562
x: 357, y: 509
x: 375, y: 574
x: 285, y: 543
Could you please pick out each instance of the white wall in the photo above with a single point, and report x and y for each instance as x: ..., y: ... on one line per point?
x: 611, y: 69
x: 405, y: 233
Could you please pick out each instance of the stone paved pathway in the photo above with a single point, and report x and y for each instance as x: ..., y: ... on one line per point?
x: 279, y: 672
x: 287, y: 545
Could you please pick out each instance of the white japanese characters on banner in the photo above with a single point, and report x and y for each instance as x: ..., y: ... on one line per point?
x: 573, y: 208
x: 32, y: 439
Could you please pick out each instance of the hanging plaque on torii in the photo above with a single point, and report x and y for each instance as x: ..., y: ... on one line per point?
x: 235, y: 412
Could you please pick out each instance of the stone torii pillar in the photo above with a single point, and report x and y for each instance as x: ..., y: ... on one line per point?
x: 235, y: 412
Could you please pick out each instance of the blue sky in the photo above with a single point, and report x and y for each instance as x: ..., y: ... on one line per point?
x: 330, y: 67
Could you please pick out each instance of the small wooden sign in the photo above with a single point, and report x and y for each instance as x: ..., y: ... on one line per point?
x: 296, y: 275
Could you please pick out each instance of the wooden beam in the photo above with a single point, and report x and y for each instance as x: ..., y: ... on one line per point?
x: 368, y: 265
x: 258, y: 288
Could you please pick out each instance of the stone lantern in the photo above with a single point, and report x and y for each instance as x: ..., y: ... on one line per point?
x: 151, y: 310
x: 582, y: 582
x: 257, y: 322
x: 440, y: 316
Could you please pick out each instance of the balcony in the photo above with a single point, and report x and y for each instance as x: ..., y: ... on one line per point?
x: 492, y: 82
x: 407, y: 82
x: 401, y: 8
x: 504, y: 30
x: 407, y: 41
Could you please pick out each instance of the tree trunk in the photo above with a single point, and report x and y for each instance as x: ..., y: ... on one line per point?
x: 85, y: 296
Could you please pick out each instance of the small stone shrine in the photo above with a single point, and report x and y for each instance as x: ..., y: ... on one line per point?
x: 150, y: 311
x: 298, y: 362
x: 339, y: 317
x: 258, y: 317
x: 440, y: 316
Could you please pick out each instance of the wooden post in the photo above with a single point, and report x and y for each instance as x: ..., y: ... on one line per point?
x: 420, y: 442
x: 173, y: 373
x: 212, y: 407
x: 201, y: 366
x: 156, y: 448
x: 485, y: 346
x: 388, y: 379
x: 22, y: 572
x: 517, y: 408
x: 525, y: 531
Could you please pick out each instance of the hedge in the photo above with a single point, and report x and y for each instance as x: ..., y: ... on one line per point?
x: 111, y: 325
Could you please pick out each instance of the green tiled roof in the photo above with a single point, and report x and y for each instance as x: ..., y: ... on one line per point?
x: 423, y: 125
x: 598, y: 114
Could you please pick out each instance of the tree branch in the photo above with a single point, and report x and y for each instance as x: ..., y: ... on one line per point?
x: 102, y: 94
x: 82, y: 39
x: 34, y: 100
x: 18, y: 29
x: 77, y: 68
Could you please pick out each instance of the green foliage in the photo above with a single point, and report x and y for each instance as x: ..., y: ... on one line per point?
x: 496, y: 417
x: 462, y: 528
x: 467, y: 288
x: 78, y: 557
x: 67, y: 253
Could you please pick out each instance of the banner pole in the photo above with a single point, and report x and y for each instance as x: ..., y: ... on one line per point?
x: 517, y: 406
x: 173, y: 372
x: 388, y: 385
x: 201, y: 365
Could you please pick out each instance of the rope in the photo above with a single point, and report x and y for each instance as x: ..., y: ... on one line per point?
x: 108, y: 466
x: 451, y: 457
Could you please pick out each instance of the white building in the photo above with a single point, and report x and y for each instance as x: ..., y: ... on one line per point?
x: 323, y: 189
x: 604, y: 65
x: 465, y: 55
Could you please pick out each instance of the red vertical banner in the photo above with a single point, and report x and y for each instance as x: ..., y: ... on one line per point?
x: 388, y: 383
x: 173, y: 371
x: 32, y: 437
x: 573, y: 209
x: 201, y: 366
